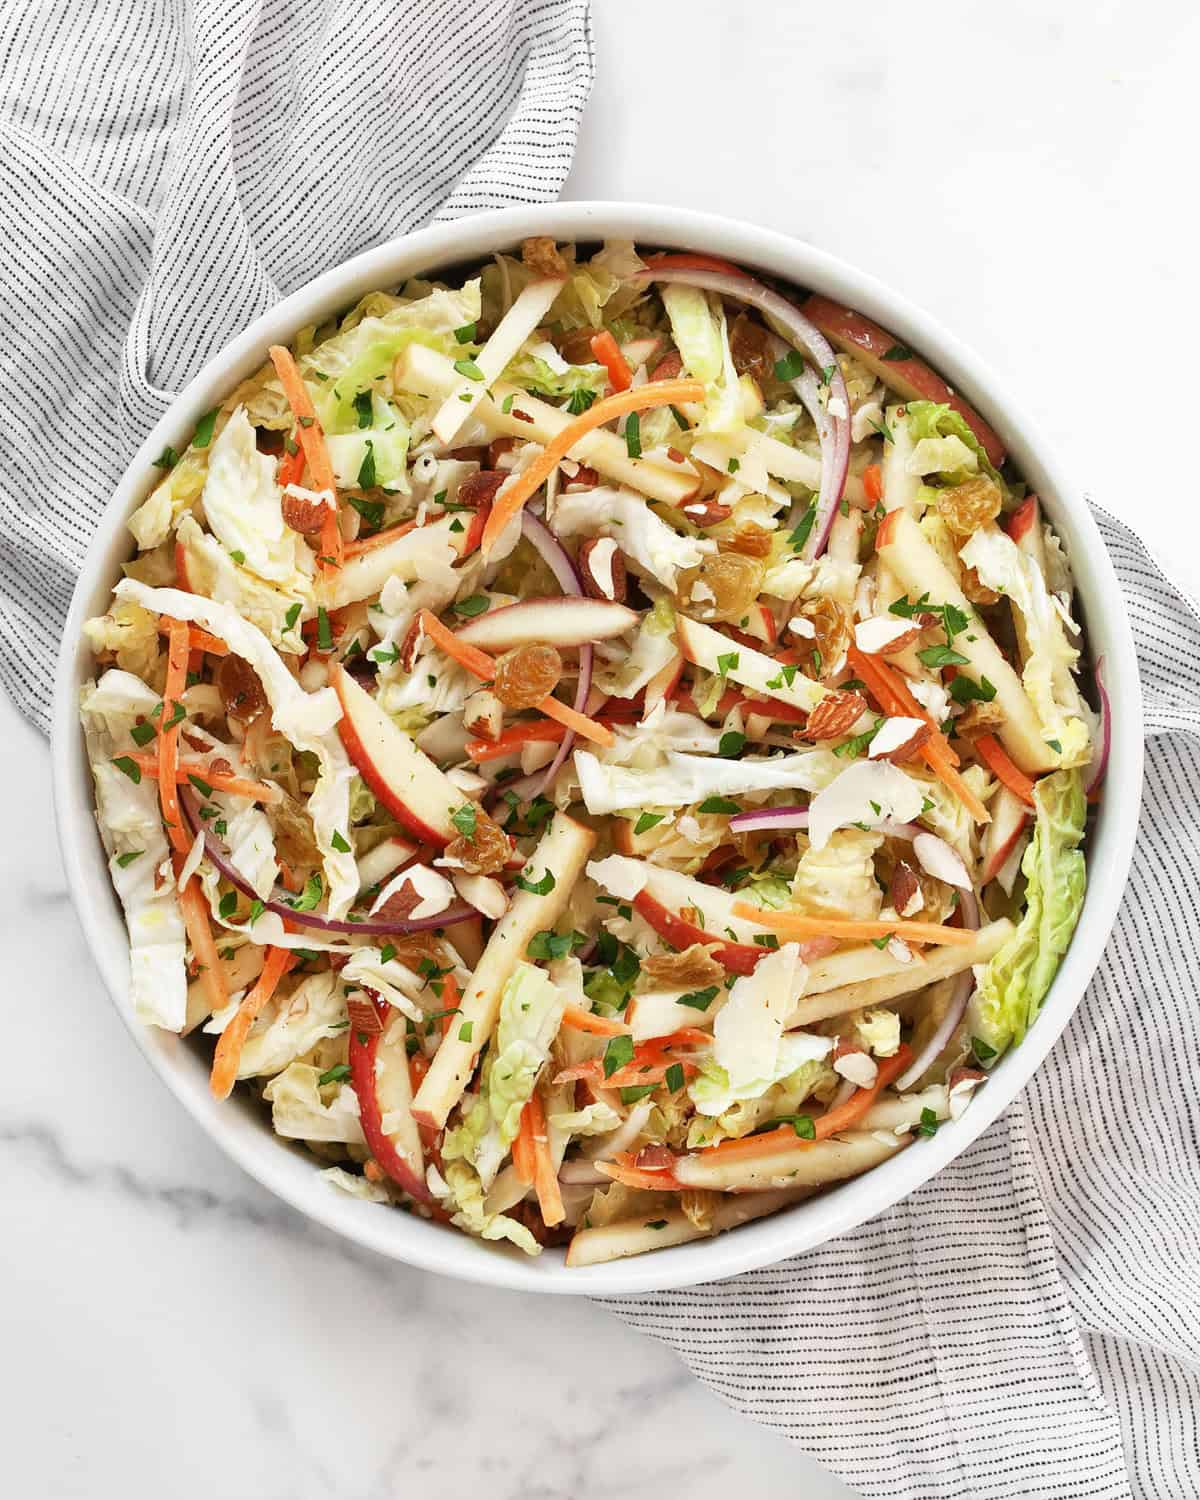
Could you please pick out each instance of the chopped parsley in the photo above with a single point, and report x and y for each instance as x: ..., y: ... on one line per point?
x: 942, y: 656
x: 324, y: 630
x: 468, y: 368
x: 366, y: 469
x: 581, y: 400
x: 466, y: 1031
x: 474, y: 604
x: 464, y: 819
x: 632, y: 1095
x: 142, y: 734
x: 728, y: 663
x: 966, y: 690
x: 719, y: 805
x: 339, y: 843
x: 733, y: 466
x: 370, y: 510
x: 982, y: 1051
x: 227, y: 905
x: 238, y: 556
x: 549, y: 945
x: 293, y: 614
x: 929, y: 1122
x: 801, y: 534
x: 732, y: 743
x: 204, y: 429
x: 337, y: 1074
x: 362, y: 408
x: 125, y: 860
x: 647, y: 821
x: 674, y: 1078
x: 790, y: 367
x: 633, y: 435
x: 541, y: 887
x: 617, y: 1053
x: 167, y: 459
x: 311, y: 894
x: 700, y: 999
x: 656, y: 1223
x: 465, y: 334
x: 898, y: 353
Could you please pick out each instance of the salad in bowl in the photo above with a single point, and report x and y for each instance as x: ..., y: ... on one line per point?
x: 594, y: 747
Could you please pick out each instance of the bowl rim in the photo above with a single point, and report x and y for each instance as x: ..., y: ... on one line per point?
x: 405, y: 1237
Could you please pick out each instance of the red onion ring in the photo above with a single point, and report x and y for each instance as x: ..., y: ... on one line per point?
x: 558, y: 560
x: 969, y: 907
x: 781, y: 818
x: 277, y: 902
x: 1100, y: 759
x: 834, y: 432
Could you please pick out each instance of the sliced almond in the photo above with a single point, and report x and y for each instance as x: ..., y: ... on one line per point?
x: 882, y: 635
x: 602, y: 569
x: 904, y: 893
x: 899, y: 739
x: 835, y: 715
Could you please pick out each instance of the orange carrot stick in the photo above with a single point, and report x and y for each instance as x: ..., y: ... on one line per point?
x: 530, y: 731
x: 198, y: 639
x: 221, y: 781
x: 522, y: 1148
x: 517, y: 491
x: 233, y: 1038
x: 380, y: 539
x: 481, y: 665
x: 545, y: 1179
x: 194, y: 908
x: 312, y: 440
x: 826, y: 1125
x: 604, y: 347
x: 579, y: 1019
x: 178, y: 645
x: 872, y: 480
x: 797, y: 926
x: 994, y: 755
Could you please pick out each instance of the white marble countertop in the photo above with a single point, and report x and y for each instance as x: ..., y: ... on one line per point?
x: 169, y: 1329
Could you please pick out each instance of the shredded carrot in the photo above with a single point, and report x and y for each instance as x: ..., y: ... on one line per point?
x: 529, y: 731
x: 380, y: 539
x: 623, y: 1168
x: 994, y: 754
x: 872, y: 481
x: 883, y: 537
x: 688, y: 261
x: 477, y: 662
x: 312, y: 441
x: 512, y: 497
x: 830, y: 1123
x: 604, y: 347
x: 579, y: 1019
x: 168, y: 740
x: 522, y: 1147
x: 233, y: 1038
x: 194, y: 909
x: 545, y: 1178
x: 221, y: 781
x: 291, y: 465
x: 481, y: 665
x: 588, y: 729
x: 798, y: 926
x: 198, y: 640
x: 891, y: 693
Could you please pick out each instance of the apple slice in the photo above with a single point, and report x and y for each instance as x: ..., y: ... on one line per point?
x: 420, y: 552
x: 664, y: 681
x: 640, y: 351
x: 708, y: 648
x: 405, y: 780
x: 1009, y: 817
x: 555, y: 864
x: 562, y: 620
x: 734, y: 958
x: 379, y: 1076
x: 883, y: 355
x: 384, y: 860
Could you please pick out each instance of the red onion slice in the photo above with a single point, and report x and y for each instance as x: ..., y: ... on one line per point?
x: 778, y: 819
x: 790, y: 322
x: 278, y: 903
x: 1100, y: 760
x: 558, y: 560
x: 969, y: 907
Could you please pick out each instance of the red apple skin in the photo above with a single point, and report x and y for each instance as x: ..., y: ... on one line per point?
x: 1023, y: 519
x: 357, y: 752
x: 910, y: 378
x: 363, y: 1049
x: 734, y: 958
x: 474, y: 530
x: 181, y: 572
x: 664, y: 684
x: 1009, y: 818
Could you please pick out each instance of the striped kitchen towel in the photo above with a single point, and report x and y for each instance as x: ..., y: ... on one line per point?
x: 1026, y: 1326
x: 170, y: 168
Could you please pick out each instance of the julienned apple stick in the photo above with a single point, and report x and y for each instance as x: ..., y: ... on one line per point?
x: 553, y: 868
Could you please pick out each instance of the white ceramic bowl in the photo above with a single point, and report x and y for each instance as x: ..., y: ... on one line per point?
x: 239, y: 1128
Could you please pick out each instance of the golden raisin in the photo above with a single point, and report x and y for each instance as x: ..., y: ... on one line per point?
x: 978, y: 719
x: 694, y: 966
x: 751, y: 540
x: 968, y: 506
x: 976, y: 590
x: 416, y: 946
x: 527, y: 675
x: 484, y: 851
x: 241, y: 691
x: 749, y: 345
x: 295, y: 843
x: 540, y: 254
x: 723, y: 587
x: 831, y: 641
x: 575, y: 346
